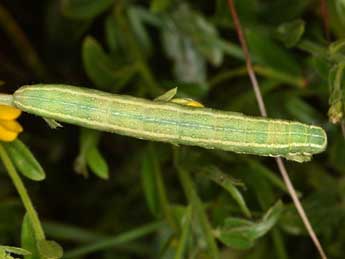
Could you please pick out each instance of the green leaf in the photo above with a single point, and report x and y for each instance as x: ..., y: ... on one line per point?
x: 157, y: 6
x: 188, y: 90
x: 127, y: 35
x: 118, y: 240
x: 167, y: 96
x: 228, y: 184
x: 336, y: 83
x: 85, y: 9
x: 190, y: 40
x: 261, y: 176
x: 186, y: 229
x: 28, y: 240
x: 139, y: 30
x: 100, y: 68
x: 97, y: 163
x: 303, y: 111
x: 189, y: 64
x: 149, y: 165
x: 97, y: 64
x: 71, y: 233
x: 193, y: 27
x: 280, y: 11
x: 290, y: 33
x: 241, y: 234
x: 236, y: 239
x: 267, y: 52
x: 89, y: 154
x: 321, y: 66
x: 198, y: 208
x: 89, y: 138
x: 258, y: 179
x: 57, y: 27
x: 337, y: 47
x: 112, y: 33
x: 24, y: 160
x: 49, y: 249
x: 323, y: 212
x: 14, y: 250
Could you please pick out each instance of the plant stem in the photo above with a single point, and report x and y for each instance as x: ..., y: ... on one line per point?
x: 115, y: 241
x: 186, y: 229
x: 21, y: 42
x: 263, y: 112
x: 249, y: 64
x: 163, y: 197
x: 197, y: 206
x: 18, y: 183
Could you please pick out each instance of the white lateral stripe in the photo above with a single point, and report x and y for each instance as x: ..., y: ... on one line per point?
x: 201, y: 126
x: 171, y: 137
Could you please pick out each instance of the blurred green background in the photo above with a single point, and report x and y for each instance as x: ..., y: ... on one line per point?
x: 109, y: 196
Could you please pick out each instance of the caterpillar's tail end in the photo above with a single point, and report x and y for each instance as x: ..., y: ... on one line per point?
x: 299, y: 157
x: 317, y: 144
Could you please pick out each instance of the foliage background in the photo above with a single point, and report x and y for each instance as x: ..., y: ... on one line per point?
x: 144, y: 48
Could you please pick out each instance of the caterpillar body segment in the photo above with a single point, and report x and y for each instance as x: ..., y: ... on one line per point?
x: 171, y: 122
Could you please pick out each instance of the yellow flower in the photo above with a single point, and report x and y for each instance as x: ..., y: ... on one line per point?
x: 9, y: 127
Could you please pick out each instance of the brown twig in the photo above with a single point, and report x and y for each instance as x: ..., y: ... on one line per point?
x: 22, y: 43
x: 263, y: 112
x: 325, y: 17
x: 250, y: 68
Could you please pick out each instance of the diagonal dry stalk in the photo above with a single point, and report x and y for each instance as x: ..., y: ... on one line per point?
x: 263, y: 112
x: 325, y: 18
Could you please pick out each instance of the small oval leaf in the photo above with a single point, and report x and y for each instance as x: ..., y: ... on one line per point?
x: 241, y: 234
x: 24, y: 160
x: 167, y: 96
x: 100, y: 68
x: 49, y: 249
x: 84, y: 9
x: 290, y: 33
x: 28, y: 240
x: 267, y: 52
x: 97, y: 64
x: 149, y: 165
x: 97, y: 163
x: 217, y: 176
x: 336, y: 83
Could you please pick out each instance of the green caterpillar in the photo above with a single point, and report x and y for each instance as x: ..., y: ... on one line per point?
x: 171, y: 122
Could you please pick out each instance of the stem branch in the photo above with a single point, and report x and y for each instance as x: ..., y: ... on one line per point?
x: 18, y: 183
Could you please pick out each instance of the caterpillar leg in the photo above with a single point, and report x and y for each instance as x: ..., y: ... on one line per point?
x: 299, y: 157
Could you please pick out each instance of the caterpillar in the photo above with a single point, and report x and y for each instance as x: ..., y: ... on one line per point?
x: 172, y: 122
